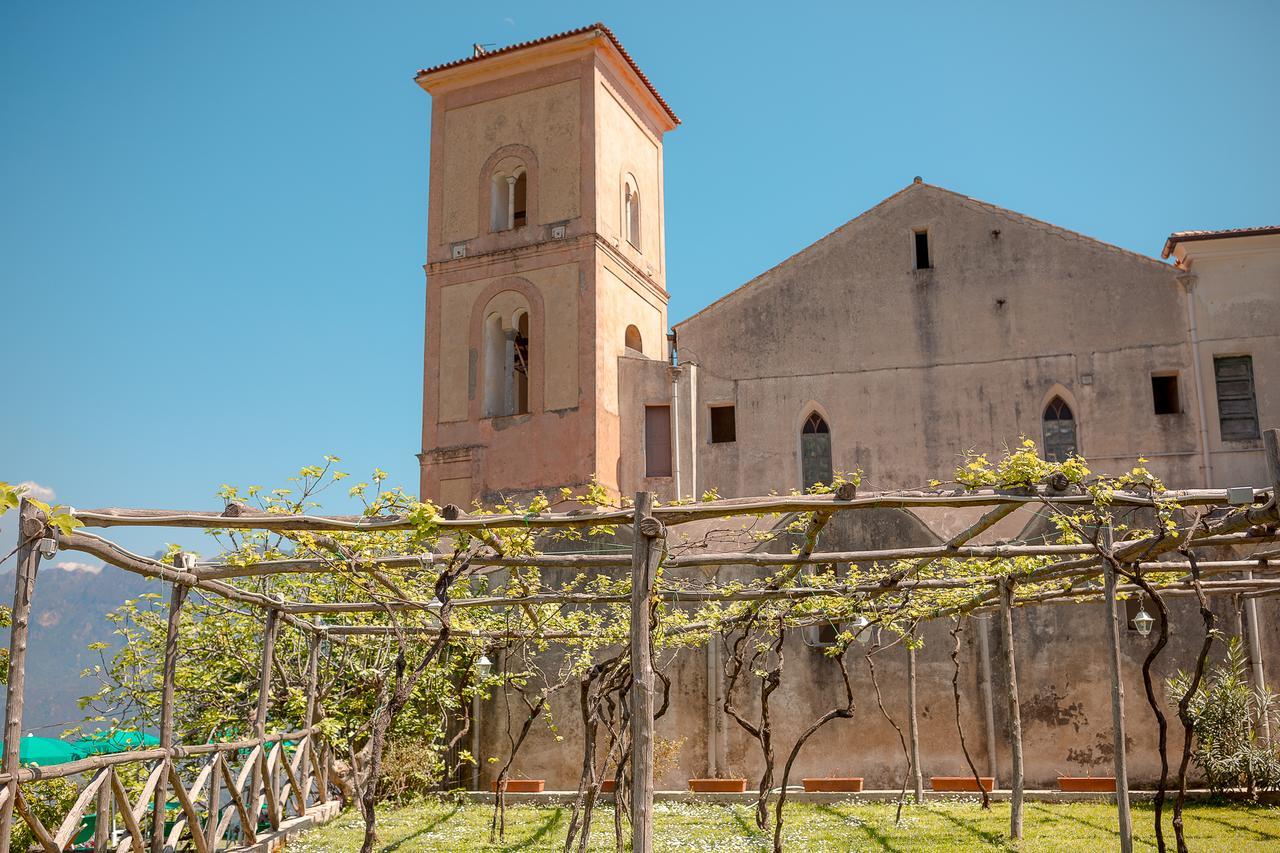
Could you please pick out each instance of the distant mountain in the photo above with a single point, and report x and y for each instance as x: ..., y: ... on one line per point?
x: 68, y: 613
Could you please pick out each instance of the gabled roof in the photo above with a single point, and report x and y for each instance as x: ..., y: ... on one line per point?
x: 918, y: 185
x: 1191, y: 236
x: 597, y: 27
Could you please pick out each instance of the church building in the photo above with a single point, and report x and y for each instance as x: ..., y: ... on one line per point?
x: 929, y: 325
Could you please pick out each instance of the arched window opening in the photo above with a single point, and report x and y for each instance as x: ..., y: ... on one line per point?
x: 508, y: 196
x: 521, y: 363
x: 519, y: 207
x: 631, y: 213
x: 633, y: 341
x: 1059, y: 431
x: 494, y: 379
x: 815, y: 451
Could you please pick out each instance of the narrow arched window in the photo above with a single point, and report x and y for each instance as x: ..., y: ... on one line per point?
x: 521, y: 355
x: 1059, y: 431
x: 815, y: 451
x: 631, y: 212
x: 632, y: 339
x: 519, y: 201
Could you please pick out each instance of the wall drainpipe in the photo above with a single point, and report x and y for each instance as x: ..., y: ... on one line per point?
x: 675, y: 415
x: 1188, y: 283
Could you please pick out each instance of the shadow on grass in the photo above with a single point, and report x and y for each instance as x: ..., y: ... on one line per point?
x: 747, y: 828
x: 996, y: 839
x: 1270, y: 836
x: 421, y: 831
x: 870, y: 831
x: 1051, y: 815
x: 549, y: 825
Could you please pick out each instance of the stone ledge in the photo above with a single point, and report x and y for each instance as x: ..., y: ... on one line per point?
x: 881, y: 796
x: 317, y: 815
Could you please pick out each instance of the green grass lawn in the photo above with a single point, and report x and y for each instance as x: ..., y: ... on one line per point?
x: 447, y: 826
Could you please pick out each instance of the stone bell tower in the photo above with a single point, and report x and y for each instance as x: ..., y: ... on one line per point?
x: 545, y: 262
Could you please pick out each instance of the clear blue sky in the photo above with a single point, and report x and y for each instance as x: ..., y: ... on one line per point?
x: 213, y: 214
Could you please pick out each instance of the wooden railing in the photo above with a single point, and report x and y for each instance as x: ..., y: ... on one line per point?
x: 280, y: 776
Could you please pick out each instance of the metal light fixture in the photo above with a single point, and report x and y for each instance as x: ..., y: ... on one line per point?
x: 859, y: 626
x: 483, y: 666
x: 1142, y: 621
x: 435, y: 605
x: 48, y: 547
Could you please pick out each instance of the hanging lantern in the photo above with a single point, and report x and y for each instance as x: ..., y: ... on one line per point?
x: 1142, y: 622
x: 483, y: 666
x: 859, y: 628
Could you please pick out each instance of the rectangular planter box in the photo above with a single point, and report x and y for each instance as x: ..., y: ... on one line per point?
x: 522, y: 786
x: 606, y: 787
x: 848, y: 784
x: 960, y: 783
x: 1090, y: 784
x: 718, y: 786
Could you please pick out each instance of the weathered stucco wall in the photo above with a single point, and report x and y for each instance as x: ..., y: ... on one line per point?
x: 912, y: 367
x: 1236, y: 287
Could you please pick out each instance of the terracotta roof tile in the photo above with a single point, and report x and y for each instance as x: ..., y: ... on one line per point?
x: 1190, y: 236
x: 567, y: 34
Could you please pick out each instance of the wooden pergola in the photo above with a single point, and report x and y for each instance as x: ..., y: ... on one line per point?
x: 287, y: 771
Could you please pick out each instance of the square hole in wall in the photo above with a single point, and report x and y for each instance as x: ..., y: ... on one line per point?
x: 1164, y: 394
x: 724, y: 427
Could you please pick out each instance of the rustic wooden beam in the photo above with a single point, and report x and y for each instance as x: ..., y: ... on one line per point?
x: 264, y: 701
x: 177, y: 595
x: 1015, y: 714
x: 648, y: 534
x: 31, y: 525
x: 244, y: 518
x: 913, y: 726
x: 1111, y: 627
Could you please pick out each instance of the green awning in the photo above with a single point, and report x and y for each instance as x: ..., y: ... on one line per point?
x: 115, y: 741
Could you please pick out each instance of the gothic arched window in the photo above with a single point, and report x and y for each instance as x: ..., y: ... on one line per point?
x: 815, y: 451
x: 631, y: 211
x: 1059, y: 431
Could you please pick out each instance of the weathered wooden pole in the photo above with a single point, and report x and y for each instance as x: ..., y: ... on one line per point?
x: 1015, y: 714
x: 260, y: 712
x: 309, y: 718
x: 988, y: 701
x: 913, y: 727
x: 1112, y: 628
x: 102, y: 822
x: 177, y: 595
x: 31, y: 525
x: 645, y: 553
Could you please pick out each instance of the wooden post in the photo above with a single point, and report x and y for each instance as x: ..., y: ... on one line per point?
x: 1112, y: 629
x: 988, y: 701
x: 31, y: 525
x: 1015, y: 714
x: 309, y: 718
x: 645, y: 554
x: 177, y: 595
x: 102, y: 823
x: 917, y: 776
x: 256, y: 780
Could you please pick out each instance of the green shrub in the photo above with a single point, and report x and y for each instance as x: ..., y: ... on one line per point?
x: 1225, y: 712
x: 50, y: 800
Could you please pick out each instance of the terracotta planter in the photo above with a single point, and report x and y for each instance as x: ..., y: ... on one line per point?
x: 718, y: 786
x: 847, y: 784
x: 606, y: 787
x: 960, y: 783
x: 522, y: 786
x: 1090, y: 784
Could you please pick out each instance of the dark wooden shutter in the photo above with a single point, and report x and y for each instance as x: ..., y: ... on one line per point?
x: 657, y: 441
x: 1237, y: 405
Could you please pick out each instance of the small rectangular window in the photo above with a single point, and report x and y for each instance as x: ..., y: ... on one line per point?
x: 724, y: 426
x: 1237, y: 405
x: 922, y: 250
x: 657, y: 441
x: 1164, y: 394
